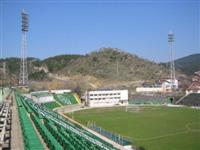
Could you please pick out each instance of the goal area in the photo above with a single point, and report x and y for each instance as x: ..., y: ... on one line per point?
x: 132, y: 108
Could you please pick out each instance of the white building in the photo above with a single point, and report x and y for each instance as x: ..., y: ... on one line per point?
x: 166, y: 86
x: 106, y: 98
x: 149, y: 89
x: 170, y: 84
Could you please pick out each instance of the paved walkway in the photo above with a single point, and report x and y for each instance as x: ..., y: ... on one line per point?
x: 16, y: 133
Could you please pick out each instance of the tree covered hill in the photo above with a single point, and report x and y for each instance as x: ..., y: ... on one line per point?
x: 188, y: 64
x: 104, y: 64
x: 57, y: 63
x: 109, y: 63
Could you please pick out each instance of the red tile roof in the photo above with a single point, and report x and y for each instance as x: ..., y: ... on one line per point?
x: 195, y: 82
x: 194, y: 86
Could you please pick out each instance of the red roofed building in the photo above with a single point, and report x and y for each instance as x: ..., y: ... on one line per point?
x: 195, y: 86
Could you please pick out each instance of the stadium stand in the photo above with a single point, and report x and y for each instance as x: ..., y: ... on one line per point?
x: 5, y: 119
x: 57, y: 132
x: 77, y: 98
x: 192, y: 99
x: 149, y: 99
x: 41, y: 94
x: 31, y: 139
x: 50, y: 140
x: 51, y: 105
x: 65, y: 99
x: 71, y: 97
x: 5, y: 122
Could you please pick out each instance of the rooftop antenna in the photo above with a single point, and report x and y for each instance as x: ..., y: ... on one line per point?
x: 172, y: 66
x: 23, y: 77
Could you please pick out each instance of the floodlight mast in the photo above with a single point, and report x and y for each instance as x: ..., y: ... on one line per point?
x: 23, y: 77
x: 172, y: 66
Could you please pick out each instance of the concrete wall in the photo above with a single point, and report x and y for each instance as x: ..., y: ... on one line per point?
x: 149, y: 89
x: 53, y: 91
x: 192, y: 91
x: 60, y: 91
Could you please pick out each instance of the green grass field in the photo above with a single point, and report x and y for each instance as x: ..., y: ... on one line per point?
x: 154, y: 128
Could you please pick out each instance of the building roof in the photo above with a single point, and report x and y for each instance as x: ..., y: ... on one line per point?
x: 196, y: 78
x: 195, y: 82
x: 194, y: 86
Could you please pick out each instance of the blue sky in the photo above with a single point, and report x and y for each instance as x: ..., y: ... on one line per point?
x: 79, y: 27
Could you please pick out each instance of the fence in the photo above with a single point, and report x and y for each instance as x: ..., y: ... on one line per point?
x: 114, y: 137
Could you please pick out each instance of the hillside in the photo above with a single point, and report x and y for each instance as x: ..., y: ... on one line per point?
x: 13, y: 67
x: 113, y: 64
x: 106, y: 67
x: 188, y: 64
x: 57, y: 63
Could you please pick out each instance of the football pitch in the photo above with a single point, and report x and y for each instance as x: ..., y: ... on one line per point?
x: 153, y: 128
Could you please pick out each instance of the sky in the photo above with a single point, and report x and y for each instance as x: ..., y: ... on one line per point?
x: 79, y: 27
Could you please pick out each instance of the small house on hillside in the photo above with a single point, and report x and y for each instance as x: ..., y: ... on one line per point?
x: 195, y: 86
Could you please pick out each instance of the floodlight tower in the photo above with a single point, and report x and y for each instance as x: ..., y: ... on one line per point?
x: 23, y: 77
x: 172, y: 66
